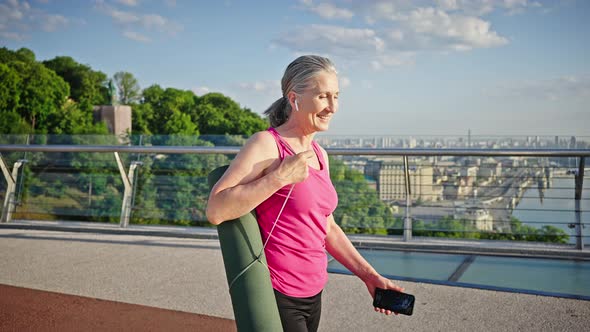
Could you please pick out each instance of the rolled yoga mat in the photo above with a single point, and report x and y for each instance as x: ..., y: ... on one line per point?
x: 252, y: 295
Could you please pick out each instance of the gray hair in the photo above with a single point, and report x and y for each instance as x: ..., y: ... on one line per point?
x: 296, y: 78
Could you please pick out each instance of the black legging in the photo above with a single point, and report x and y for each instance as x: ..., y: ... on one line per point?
x: 299, y: 314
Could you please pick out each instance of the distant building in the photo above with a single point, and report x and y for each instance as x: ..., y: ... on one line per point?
x: 490, y: 169
x: 481, y: 218
x: 390, y: 180
x: 469, y: 171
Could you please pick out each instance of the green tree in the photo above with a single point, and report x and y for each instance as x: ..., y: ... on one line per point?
x: 71, y: 120
x: 359, y: 208
x: 217, y: 114
x: 173, y: 188
x: 180, y: 124
x: 87, y: 87
x: 12, y: 123
x: 23, y: 55
x: 142, y: 117
x: 129, y: 90
x: 10, y: 82
x: 160, y: 106
x: 42, y: 93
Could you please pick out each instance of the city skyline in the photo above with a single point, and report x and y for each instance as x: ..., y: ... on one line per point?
x: 406, y: 67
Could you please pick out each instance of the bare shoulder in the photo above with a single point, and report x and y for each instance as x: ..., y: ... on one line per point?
x: 261, y: 138
x: 260, y: 145
x: 259, y: 152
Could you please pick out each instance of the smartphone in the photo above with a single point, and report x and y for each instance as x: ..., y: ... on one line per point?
x: 395, y: 301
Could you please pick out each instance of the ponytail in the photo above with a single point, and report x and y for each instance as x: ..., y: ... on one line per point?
x: 278, y: 112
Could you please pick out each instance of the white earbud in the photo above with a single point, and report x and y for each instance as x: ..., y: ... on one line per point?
x: 296, y: 106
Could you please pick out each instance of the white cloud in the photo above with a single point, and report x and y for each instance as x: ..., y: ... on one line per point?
x: 266, y: 87
x: 201, y: 90
x: 154, y: 21
x: 397, y: 30
x: 122, y: 17
x: 330, y: 39
x: 455, y: 32
x: 136, y: 36
x: 54, y: 22
x: 375, y: 11
x: 12, y: 35
x: 327, y: 10
x: 393, y: 60
x: 130, y: 3
x: 131, y: 20
x: 19, y: 19
x: 484, y: 7
x: 395, y: 35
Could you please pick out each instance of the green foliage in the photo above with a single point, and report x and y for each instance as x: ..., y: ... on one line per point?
x: 34, y: 100
x: 217, y: 114
x: 12, y: 123
x: 37, y: 92
x: 162, y: 112
x: 180, y: 123
x: 159, y: 106
x: 173, y: 188
x: 141, y: 117
x: 72, y: 120
x: 129, y: 90
x: 34, y: 97
x: 9, y: 88
x: 23, y: 55
x: 87, y: 87
x: 451, y: 228
x: 42, y: 94
x: 359, y: 208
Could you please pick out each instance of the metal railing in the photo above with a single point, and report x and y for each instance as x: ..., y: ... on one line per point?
x: 128, y: 177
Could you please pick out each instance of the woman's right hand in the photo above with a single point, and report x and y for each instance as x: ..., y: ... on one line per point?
x: 294, y: 169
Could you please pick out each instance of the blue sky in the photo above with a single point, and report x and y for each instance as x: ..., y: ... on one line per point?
x: 425, y: 67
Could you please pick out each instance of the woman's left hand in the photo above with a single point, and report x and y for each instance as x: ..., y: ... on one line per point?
x: 379, y: 281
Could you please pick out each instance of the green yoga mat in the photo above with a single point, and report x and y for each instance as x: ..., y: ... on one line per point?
x: 252, y: 296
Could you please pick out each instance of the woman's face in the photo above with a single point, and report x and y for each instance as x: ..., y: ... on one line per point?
x: 318, y: 103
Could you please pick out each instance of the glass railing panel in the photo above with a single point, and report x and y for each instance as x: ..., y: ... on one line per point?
x: 483, y: 198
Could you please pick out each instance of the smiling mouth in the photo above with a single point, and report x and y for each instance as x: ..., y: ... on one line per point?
x: 324, y: 117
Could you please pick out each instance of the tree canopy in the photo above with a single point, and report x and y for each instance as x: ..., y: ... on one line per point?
x: 87, y: 87
x: 129, y: 90
x: 57, y: 96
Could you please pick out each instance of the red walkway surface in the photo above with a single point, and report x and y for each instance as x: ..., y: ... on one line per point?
x: 24, y: 309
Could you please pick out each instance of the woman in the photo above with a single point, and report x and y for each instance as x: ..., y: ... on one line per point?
x: 284, y: 175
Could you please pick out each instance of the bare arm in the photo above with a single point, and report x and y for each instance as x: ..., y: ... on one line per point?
x: 340, y: 247
x: 253, y: 176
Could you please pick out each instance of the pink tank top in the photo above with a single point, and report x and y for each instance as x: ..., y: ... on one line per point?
x: 296, y: 253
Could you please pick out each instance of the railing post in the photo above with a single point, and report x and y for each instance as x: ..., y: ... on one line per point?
x: 408, y: 215
x: 578, y: 197
x: 128, y: 180
x: 11, y: 179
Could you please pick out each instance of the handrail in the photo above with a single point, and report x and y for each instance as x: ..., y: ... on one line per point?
x: 333, y: 151
x: 228, y: 150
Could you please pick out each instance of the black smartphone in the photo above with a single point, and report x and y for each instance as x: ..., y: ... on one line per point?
x: 395, y: 301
